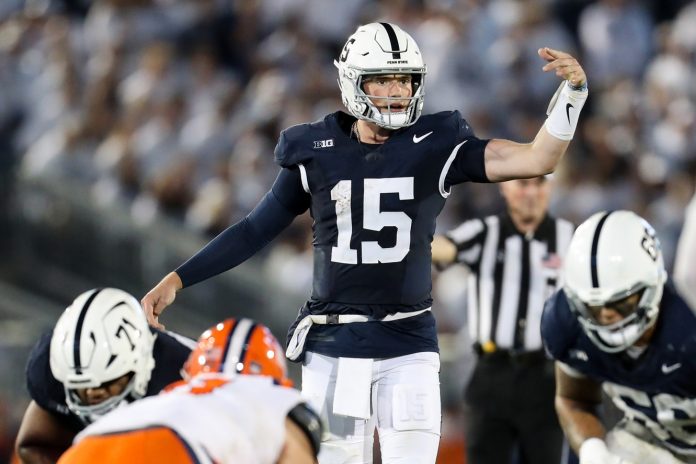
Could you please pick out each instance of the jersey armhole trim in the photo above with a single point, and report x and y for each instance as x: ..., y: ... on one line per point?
x: 303, y: 178
x: 445, y: 170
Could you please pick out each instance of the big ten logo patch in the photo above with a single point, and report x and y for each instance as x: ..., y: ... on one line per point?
x: 324, y: 143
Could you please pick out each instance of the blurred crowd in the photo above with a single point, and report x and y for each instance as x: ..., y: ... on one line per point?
x: 172, y: 108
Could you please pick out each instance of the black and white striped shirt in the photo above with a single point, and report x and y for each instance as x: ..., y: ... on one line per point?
x: 511, y: 277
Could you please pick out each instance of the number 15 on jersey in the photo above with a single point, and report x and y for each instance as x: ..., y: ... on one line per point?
x: 373, y: 219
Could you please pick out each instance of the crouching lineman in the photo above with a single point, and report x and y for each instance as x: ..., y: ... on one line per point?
x: 619, y: 324
x: 235, y: 407
x: 100, y: 354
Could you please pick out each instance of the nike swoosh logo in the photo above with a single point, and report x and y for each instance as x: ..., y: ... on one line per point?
x: 417, y: 139
x: 568, y: 107
x: 667, y: 369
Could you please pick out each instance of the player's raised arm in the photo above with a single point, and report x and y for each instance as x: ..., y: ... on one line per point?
x: 505, y: 159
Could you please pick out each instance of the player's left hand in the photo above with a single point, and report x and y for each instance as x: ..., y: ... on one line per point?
x: 565, y: 65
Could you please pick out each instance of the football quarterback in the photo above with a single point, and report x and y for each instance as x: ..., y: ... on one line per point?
x: 375, y: 179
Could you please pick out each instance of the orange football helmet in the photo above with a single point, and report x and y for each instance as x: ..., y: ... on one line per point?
x: 238, y: 346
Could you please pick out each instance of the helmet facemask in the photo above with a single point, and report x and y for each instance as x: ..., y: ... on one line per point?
x: 89, y: 413
x: 619, y: 336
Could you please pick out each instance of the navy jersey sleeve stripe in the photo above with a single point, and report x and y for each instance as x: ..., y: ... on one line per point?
x: 237, y: 243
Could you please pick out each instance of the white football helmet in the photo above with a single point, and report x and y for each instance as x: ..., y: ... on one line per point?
x: 101, y: 336
x: 611, y: 256
x: 374, y: 49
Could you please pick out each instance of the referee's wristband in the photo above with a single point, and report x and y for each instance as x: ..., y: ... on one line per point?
x: 564, y: 110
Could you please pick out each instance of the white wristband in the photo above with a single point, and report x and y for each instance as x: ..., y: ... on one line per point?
x: 564, y: 110
x: 595, y: 451
x: 592, y: 448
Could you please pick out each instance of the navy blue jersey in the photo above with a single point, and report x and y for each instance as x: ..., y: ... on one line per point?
x: 658, y: 389
x: 169, y: 353
x: 374, y: 206
x: 374, y: 209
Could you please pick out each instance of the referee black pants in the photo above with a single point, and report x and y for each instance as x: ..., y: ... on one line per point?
x: 510, y: 403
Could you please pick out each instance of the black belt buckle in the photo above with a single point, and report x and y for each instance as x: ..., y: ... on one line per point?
x: 332, y: 319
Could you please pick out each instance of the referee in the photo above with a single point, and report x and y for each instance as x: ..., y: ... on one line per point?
x: 515, y: 259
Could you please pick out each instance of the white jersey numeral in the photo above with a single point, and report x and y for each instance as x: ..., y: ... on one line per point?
x: 676, y: 416
x: 373, y: 219
x: 342, y: 253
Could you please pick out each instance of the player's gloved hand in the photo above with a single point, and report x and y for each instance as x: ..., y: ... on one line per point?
x: 594, y: 451
x: 161, y: 296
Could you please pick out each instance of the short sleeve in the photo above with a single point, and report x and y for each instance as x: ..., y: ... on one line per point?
x: 292, y: 147
x: 281, y: 153
x: 467, y: 162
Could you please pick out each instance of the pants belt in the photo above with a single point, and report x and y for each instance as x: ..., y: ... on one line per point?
x: 299, y: 336
x: 349, y: 318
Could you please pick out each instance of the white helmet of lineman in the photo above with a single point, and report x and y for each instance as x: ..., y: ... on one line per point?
x: 380, y: 48
x: 614, y: 255
x: 101, y: 336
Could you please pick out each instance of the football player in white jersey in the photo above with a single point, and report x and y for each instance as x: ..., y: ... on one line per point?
x: 620, y: 325
x: 236, y: 406
x: 375, y: 180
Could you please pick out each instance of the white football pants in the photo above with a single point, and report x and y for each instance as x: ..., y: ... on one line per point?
x: 400, y: 396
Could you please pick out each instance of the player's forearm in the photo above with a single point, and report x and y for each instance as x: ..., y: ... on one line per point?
x: 506, y: 160
x: 579, y: 421
x: 547, y: 151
